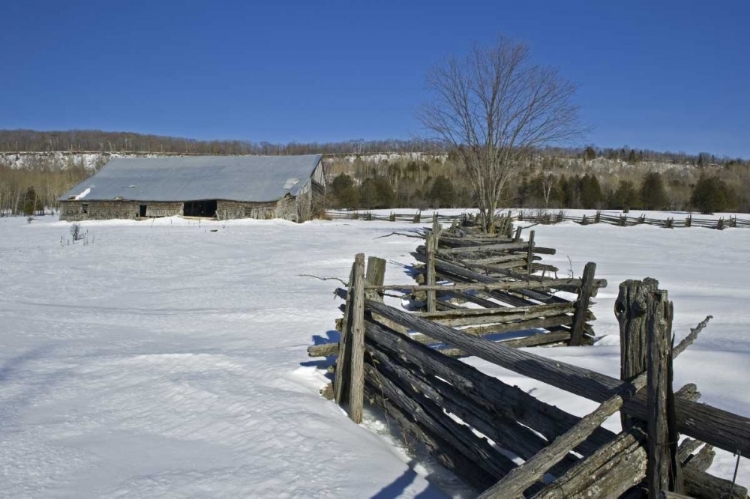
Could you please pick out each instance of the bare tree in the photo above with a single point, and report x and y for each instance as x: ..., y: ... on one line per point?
x: 494, y: 107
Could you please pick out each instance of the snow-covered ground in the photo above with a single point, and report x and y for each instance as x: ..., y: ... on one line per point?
x: 166, y: 359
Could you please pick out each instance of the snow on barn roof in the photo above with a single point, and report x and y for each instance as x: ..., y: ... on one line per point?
x: 194, y: 178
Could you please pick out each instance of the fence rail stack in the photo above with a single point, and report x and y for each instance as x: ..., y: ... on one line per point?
x: 476, y: 425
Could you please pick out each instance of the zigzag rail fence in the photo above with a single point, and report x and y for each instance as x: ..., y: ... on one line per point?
x: 544, y: 217
x: 406, y: 363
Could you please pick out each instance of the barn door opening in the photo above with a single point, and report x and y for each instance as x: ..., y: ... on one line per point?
x: 199, y: 208
x: 142, y: 211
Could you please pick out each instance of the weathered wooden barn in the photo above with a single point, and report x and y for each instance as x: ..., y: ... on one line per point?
x: 225, y: 187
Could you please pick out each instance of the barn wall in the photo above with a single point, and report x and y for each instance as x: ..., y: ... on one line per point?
x: 227, y: 210
x: 106, y: 210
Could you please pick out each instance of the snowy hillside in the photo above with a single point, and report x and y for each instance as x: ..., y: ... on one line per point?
x: 163, y: 358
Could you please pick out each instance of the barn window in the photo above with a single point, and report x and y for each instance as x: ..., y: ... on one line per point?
x: 85, y: 208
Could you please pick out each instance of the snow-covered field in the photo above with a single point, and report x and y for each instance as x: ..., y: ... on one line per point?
x: 165, y: 359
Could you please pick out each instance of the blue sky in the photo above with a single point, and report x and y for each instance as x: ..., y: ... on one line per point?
x: 665, y: 75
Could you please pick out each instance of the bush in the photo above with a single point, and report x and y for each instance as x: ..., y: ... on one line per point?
x: 75, y: 231
x: 710, y: 194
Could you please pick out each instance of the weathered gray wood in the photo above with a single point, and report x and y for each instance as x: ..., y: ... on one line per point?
x: 532, y: 470
x: 343, y: 362
x: 506, y: 433
x: 530, y: 254
x: 431, y: 294
x: 689, y: 391
x: 582, y: 304
x: 491, y: 286
x: 608, y: 473
x: 702, y: 460
x: 427, y: 414
x: 483, y: 390
x: 357, y: 373
x: 630, y: 310
x: 686, y: 449
x: 709, y: 424
x: 672, y: 495
x: 495, y: 259
x: 499, y: 314
x: 439, y: 448
x: 375, y: 276
x: 486, y: 248
x: 535, y: 340
x: 704, y: 486
x: 662, y: 472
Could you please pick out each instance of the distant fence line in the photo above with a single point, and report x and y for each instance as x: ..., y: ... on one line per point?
x: 549, y: 218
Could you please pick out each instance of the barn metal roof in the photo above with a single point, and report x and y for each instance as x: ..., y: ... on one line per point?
x: 193, y: 178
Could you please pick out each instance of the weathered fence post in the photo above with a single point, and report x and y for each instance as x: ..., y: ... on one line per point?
x: 357, y: 331
x: 582, y: 304
x: 375, y: 277
x: 689, y: 221
x: 598, y: 217
x: 630, y: 310
x: 530, y: 253
x: 662, y: 470
x: 517, y: 237
x: 431, y: 247
x: 341, y: 380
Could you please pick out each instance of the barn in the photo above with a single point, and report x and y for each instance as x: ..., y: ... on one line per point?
x: 225, y: 187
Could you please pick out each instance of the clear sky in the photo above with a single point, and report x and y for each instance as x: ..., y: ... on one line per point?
x: 663, y: 75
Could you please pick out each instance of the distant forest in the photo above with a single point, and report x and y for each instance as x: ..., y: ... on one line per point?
x: 555, y: 178
x: 126, y: 142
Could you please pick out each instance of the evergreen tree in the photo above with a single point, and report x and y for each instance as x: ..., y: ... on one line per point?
x: 653, y: 194
x: 591, y: 192
x: 589, y: 153
x: 345, y: 192
x: 625, y: 197
x: 442, y: 194
x: 632, y: 157
x: 376, y: 192
x: 710, y: 195
x: 30, y: 202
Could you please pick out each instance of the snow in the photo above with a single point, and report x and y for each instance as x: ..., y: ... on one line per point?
x: 83, y: 194
x: 164, y: 359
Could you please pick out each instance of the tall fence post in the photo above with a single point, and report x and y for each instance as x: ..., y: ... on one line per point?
x: 582, y: 304
x: 431, y: 246
x: 357, y: 366
x: 530, y: 254
x: 662, y: 471
x: 630, y: 310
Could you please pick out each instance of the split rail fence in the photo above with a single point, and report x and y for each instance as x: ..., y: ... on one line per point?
x: 548, y: 218
x: 475, y: 424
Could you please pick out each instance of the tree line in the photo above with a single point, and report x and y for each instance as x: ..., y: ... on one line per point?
x: 439, y: 184
x: 127, y: 142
